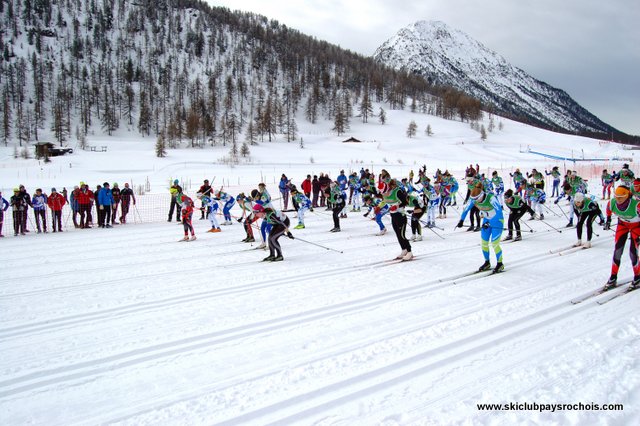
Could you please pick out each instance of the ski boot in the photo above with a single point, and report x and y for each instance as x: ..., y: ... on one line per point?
x: 299, y: 226
x: 250, y: 240
x: 263, y: 245
x: 508, y: 237
x: 541, y: 216
x: 477, y: 228
x: 407, y: 256
x: 471, y: 228
x: 611, y: 283
x: 335, y: 230
x: 269, y: 258
x: 418, y: 238
x: 402, y: 254
x: 578, y: 243
x: 485, y: 266
x: 570, y: 224
x: 587, y: 245
x: 635, y: 283
x: 518, y: 237
x: 278, y: 259
x: 533, y: 217
x: 382, y: 232
x: 499, y: 268
x: 193, y: 238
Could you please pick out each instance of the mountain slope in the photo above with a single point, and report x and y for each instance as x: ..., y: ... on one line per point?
x: 450, y: 57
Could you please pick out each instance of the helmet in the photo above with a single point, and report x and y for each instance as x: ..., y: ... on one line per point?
x: 625, y: 166
x: 258, y: 208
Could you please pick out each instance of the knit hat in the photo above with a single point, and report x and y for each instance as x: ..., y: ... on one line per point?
x: 258, y: 208
x: 53, y: 190
x: 176, y: 181
x: 622, y: 193
x: 578, y: 198
x: 477, y: 191
x: 16, y: 189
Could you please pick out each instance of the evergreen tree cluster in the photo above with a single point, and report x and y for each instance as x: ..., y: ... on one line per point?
x: 188, y: 72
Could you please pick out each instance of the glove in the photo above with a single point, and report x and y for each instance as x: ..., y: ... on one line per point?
x: 239, y: 220
x: 290, y: 235
x: 607, y: 224
x: 460, y: 224
x: 556, y: 201
x: 366, y: 214
x: 486, y: 225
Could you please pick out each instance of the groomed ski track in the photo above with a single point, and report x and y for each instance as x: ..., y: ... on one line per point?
x: 155, y: 332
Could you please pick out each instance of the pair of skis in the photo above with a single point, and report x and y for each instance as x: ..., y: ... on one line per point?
x: 618, y: 290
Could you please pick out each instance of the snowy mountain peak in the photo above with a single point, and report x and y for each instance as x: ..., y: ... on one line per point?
x: 450, y: 57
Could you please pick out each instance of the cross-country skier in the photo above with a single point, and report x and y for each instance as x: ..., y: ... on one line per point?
x: 472, y: 182
x: 537, y: 198
x: 263, y: 198
x: 280, y: 224
x: 517, y: 208
x: 492, y: 224
x: 498, y: 186
x: 336, y: 198
x: 416, y: 201
x: 304, y: 204
x: 396, y: 199
x: 607, y: 180
x: 210, y: 205
x: 379, y: 210
x: 625, y: 176
x: 228, y: 202
x: 627, y: 209
x: 205, y: 190
x: 186, y: 210
x: 587, y: 210
x: 555, y: 173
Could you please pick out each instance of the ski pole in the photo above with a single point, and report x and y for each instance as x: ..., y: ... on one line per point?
x: 433, y: 226
x: 318, y: 245
x: 431, y: 229
x: 551, y: 211
x: 562, y: 210
x: 551, y: 226
x: 525, y: 224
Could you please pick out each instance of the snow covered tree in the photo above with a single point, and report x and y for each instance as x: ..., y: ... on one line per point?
x: 244, y: 150
x: 412, y: 129
x: 161, y: 146
x: 382, y: 116
x: 428, y: 130
x: 365, y: 108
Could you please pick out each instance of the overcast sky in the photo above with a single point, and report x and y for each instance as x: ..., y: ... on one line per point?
x: 589, y: 48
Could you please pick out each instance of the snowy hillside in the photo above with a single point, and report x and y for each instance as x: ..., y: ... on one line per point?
x: 129, y: 326
x: 450, y: 57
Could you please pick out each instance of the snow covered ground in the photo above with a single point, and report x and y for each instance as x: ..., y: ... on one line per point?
x: 129, y: 326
